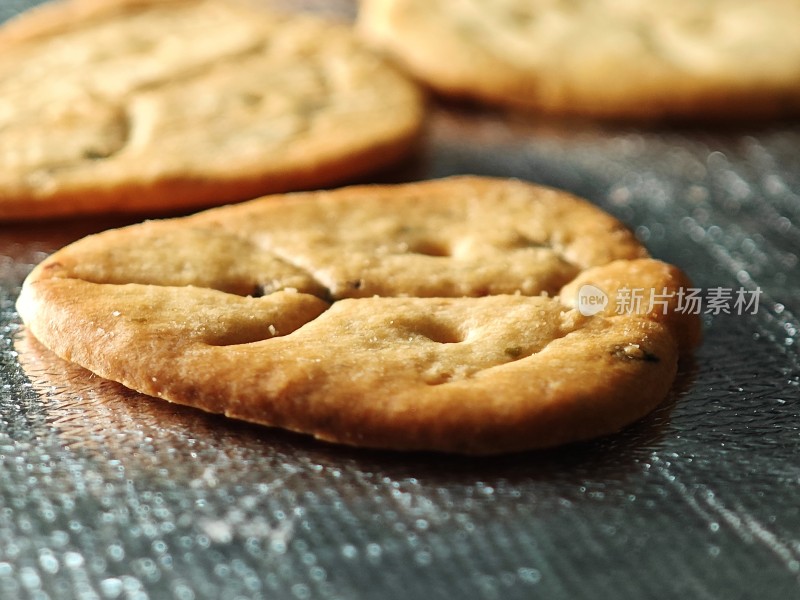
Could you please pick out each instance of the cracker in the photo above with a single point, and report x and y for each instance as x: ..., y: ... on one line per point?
x: 161, y: 105
x: 437, y: 315
x: 603, y: 58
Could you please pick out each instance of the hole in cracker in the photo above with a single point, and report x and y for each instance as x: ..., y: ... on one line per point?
x: 239, y: 336
x: 250, y: 98
x: 437, y: 378
x: 514, y: 352
x: 441, y: 333
x: 524, y: 242
x: 430, y: 248
x: 96, y: 154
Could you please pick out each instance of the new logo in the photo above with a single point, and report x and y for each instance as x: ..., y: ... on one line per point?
x: 591, y: 300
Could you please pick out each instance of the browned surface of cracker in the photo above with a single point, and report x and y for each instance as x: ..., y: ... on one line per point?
x: 161, y: 105
x: 604, y: 58
x: 437, y: 315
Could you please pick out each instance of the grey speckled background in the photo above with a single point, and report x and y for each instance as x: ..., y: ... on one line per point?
x: 107, y: 494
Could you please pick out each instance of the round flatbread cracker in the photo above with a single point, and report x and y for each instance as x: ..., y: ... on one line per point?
x: 603, y: 58
x: 442, y: 315
x: 161, y: 105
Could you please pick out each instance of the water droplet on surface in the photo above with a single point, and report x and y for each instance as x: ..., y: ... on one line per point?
x: 111, y: 587
x: 49, y: 563
x: 529, y: 575
x: 423, y: 558
x: 374, y: 551
x: 73, y: 560
x: 301, y: 591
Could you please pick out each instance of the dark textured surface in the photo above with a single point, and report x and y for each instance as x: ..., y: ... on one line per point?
x: 107, y: 494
